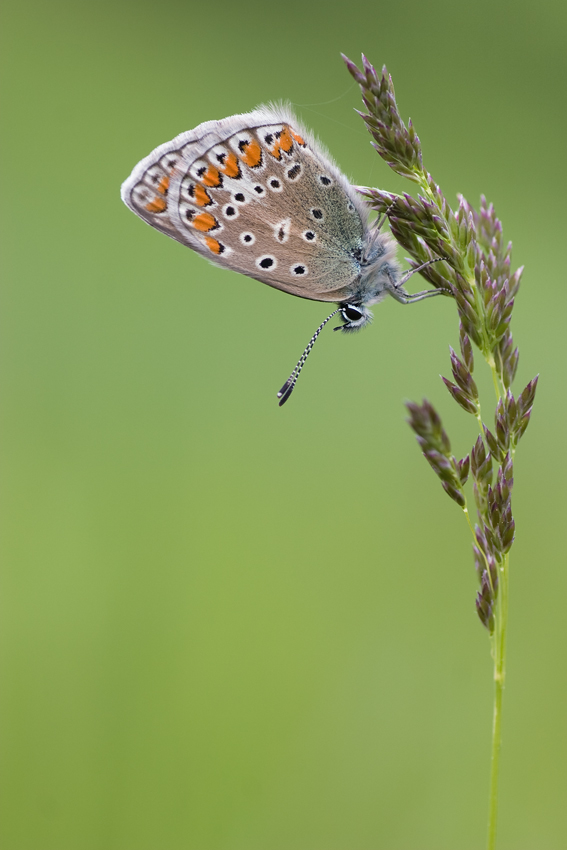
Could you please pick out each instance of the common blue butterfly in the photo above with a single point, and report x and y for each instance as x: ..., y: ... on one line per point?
x: 258, y: 194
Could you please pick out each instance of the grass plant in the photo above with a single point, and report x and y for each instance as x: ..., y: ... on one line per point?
x: 476, y: 271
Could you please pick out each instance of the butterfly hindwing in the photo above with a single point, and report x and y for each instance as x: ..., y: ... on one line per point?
x: 257, y: 194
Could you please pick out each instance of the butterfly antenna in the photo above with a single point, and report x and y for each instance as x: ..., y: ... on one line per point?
x: 289, y: 385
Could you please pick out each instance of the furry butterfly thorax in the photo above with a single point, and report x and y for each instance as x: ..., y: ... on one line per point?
x: 258, y: 194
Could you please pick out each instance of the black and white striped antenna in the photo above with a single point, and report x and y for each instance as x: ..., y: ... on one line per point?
x: 289, y: 385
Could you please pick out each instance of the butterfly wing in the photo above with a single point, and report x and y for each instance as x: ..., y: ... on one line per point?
x: 257, y: 194
x: 146, y: 191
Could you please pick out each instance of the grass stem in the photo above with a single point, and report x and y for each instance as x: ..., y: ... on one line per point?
x: 499, y: 656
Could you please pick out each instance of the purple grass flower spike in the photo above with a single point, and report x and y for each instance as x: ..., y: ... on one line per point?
x: 474, y: 268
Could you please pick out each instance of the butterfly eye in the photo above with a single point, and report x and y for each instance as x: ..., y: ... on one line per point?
x: 351, y: 313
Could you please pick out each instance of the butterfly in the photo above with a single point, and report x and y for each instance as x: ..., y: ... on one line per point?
x: 258, y: 194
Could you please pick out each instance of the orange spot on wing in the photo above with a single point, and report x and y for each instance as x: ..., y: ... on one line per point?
x: 201, y: 196
x: 213, y: 245
x: 286, y: 142
x: 251, y: 153
x: 158, y: 205
x: 212, y: 177
x: 231, y: 167
x: 297, y: 138
x: 204, y: 222
x: 163, y: 185
x: 275, y: 150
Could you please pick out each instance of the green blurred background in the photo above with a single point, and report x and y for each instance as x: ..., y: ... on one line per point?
x: 229, y: 626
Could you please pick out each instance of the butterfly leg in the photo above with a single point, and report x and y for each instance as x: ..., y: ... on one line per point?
x: 380, y: 222
x: 405, y: 298
x: 397, y: 291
